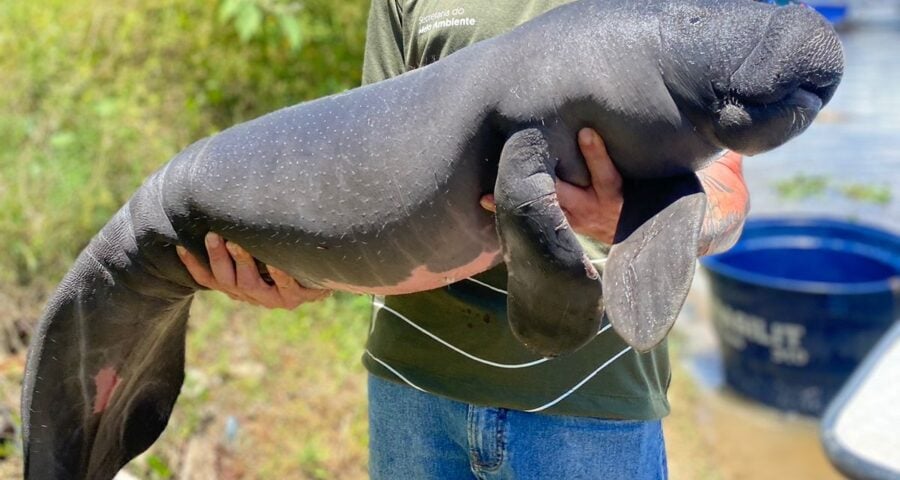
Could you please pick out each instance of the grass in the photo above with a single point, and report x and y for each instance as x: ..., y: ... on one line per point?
x: 268, y: 394
x: 272, y: 394
x: 99, y: 94
x: 96, y: 95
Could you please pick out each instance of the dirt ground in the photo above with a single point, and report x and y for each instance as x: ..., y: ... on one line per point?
x: 286, y: 399
x: 713, y: 433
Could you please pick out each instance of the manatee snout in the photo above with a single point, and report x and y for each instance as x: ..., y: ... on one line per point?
x: 798, y: 50
x: 778, y: 89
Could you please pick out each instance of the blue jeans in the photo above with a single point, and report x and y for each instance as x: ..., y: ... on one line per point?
x: 419, y: 436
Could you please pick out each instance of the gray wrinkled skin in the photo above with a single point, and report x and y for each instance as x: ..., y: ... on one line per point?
x: 376, y: 190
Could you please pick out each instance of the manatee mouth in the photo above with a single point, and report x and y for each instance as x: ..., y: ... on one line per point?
x: 806, y: 99
x: 807, y: 93
x: 750, y: 127
x: 798, y: 101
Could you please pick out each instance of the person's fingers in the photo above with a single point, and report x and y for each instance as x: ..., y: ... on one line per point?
x: 587, y: 213
x: 247, y: 277
x: 728, y: 203
x: 605, y: 178
x: 234, y: 272
x: 282, y: 280
x: 487, y: 203
x: 195, y: 268
x: 285, y: 292
x: 252, y: 287
x: 573, y: 198
x: 203, y: 276
x: 290, y: 293
x: 733, y: 161
x: 220, y: 262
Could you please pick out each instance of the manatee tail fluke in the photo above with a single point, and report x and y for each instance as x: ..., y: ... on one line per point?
x: 106, y: 361
x: 542, y: 253
x: 651, y: 263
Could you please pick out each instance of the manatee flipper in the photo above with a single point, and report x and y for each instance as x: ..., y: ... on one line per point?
x: 555, y: 302
x: 106, y: 362
x: 651, y: 263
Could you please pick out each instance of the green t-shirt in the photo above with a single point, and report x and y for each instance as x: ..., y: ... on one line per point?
x: 455, y: 341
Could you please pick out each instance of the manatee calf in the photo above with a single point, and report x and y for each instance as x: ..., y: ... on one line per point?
x: 376, y: 191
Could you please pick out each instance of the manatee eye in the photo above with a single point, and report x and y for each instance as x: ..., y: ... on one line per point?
x: 694, y: 20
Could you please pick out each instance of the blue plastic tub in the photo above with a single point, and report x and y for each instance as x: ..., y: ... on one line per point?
x: 835, y: 11
x: 797, y: 304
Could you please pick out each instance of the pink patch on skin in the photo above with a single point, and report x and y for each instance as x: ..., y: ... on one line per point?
x: 422, y: 279
x: 105, y: 382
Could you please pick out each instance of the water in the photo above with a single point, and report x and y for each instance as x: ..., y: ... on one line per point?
x: 854, y: 142
x: 744, y: 439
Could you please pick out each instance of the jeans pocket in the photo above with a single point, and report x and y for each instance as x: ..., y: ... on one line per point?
x: 487, y: 437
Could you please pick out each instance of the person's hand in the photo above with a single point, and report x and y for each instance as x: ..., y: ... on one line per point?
x: 593, y: 210
x: 234, y: 272
x: 727, y: 203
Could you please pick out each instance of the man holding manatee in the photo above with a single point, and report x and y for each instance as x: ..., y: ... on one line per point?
x: 451, y: 392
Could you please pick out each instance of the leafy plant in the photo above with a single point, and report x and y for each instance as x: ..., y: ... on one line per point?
x: 876, y: 194
x: 803, y: 187
x: 95, y: 102
x: 159, y: 469
x: 249, y: 17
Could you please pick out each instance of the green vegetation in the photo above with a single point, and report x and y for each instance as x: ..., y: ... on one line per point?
x: 96, y: 95
x: 802, y: 187
x: 877, y: 194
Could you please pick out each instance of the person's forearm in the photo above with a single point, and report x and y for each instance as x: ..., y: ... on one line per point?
x: 728, y: 203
